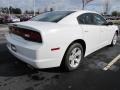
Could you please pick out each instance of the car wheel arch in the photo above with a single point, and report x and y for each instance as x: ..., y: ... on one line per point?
x: 117, y: 31
x: 82, y: 42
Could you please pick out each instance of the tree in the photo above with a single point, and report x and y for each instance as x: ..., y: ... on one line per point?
x: 106, y: 6
x: 26, y: 12
x: 18, y: 11
x: 11, y: 9
x: 4, y: 10
x: 51, y: 9
x: 85, y: 2
x: 114, y: 13
x: 118, y: 13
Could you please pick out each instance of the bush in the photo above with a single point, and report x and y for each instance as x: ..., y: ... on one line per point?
x: 116, y: 22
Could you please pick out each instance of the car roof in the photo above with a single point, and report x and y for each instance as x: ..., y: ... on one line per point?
x: 79, y: 11
x: 85, y: 11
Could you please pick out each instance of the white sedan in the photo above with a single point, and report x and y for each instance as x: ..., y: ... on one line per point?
x: 60, y: 38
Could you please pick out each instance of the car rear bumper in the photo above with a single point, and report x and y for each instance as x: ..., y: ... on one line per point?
x: 35, y: 63
x: 34, y: 56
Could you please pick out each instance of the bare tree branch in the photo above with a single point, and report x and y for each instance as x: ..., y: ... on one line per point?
x: 107, y: 6
x: 85, y: 2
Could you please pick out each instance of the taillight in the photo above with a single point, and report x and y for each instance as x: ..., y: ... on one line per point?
x: 26, y: 34
x: 32, y: 36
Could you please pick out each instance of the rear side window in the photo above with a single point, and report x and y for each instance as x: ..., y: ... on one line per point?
x: 86, y: 18
x: 54, y: 16
x: 99, y: 20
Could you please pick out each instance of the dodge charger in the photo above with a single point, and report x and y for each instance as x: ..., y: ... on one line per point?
x: 60, y: 38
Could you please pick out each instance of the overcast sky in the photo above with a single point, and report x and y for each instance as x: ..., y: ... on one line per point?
x: 96, y: 5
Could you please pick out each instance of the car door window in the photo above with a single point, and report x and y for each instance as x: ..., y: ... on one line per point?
x: 86, y: 18
x: 98, y: 20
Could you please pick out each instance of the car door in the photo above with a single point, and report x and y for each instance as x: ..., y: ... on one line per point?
x: 105, y: 30
x: 91, y: 32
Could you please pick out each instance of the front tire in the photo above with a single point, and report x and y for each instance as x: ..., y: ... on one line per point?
x: 73, y: 57
x: 114, y: 41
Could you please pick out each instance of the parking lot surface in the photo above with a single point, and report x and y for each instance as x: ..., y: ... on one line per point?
x: 16, y: 75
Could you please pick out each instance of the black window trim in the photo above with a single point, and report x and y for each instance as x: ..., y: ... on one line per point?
x: 90, y: 24
x: 80, y: 16
x: 102, y: 17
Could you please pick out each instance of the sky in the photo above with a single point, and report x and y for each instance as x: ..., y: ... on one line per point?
x: 95, y: 5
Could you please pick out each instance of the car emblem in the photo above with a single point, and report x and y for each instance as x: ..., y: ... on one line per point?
x: 27, y: 35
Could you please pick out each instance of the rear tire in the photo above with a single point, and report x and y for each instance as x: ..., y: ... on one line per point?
x: 72, y: 57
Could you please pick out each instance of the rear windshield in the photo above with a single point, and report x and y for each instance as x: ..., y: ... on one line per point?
x: 54, y: 16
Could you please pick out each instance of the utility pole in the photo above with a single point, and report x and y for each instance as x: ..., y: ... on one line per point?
x: 106, y: 6
x: 8, y: 7
x: 83, y: 4
x: 34, y: 6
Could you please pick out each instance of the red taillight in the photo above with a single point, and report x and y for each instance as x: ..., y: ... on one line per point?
x: 32, y: 36
x: 26, y: 34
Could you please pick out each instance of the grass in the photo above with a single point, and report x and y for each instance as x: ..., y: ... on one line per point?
x: 117, y: 22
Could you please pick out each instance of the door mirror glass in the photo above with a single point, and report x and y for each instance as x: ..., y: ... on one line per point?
x: 110, y: 23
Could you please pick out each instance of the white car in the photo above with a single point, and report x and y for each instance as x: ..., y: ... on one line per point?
x: 60, y: 38
x: 12, y: 19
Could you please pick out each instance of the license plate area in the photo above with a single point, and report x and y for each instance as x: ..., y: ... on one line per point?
x: 13, y: 47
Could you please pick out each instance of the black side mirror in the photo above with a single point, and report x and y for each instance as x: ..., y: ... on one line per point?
x: 110, y: 23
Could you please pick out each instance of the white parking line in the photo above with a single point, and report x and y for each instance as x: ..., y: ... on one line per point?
x: 111, y: 63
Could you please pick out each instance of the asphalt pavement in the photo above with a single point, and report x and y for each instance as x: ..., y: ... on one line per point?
x: 16, y: 75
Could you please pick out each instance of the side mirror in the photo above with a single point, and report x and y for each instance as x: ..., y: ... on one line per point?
x: 110, y: 23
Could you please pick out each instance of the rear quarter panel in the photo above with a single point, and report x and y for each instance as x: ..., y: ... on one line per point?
x: 61, y: 37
